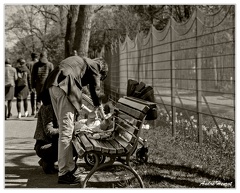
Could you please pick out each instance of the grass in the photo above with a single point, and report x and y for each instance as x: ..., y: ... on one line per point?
x: 175, y: 162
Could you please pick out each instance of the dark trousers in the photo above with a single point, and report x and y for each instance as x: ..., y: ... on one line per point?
x: 25, y: 105
x: 32, y: 100
x: 47, y: 151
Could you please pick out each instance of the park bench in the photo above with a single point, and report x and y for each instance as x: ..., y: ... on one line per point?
x: 128, y: 118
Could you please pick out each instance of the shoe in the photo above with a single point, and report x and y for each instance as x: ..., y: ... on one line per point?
x: 76, y: 171
x: 26, y: 114
x: 33, y: 113
x: 68, y: 178
x: 36, y: 116
x: 19, y: 116
x: 48, y: 168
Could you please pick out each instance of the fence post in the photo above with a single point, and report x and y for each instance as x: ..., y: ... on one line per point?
x: 199, y: 97
x: 152, y: 55
x: 199, y: 86
x: 172, y: 76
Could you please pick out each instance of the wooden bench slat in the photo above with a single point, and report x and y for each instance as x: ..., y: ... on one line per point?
x: 133, y: 104
x: 129, y: 120
x: 86, y: 143
x: 130, y: 111
x: 117, y: 146
x: 104, y: 149
x: 127, y: 146
x: 111, y: 149
x: 129, y: 137
x: 96, y: 145
x: 127, y: 128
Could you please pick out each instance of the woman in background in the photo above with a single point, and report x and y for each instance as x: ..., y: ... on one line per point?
x: 22, y: 87
x: 10, y: 78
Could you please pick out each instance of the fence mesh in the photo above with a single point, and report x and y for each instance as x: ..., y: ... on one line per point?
x: 191, y: 67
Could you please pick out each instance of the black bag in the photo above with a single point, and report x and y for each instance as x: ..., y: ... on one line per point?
x: 138, y: 89
x: 144, y: 93
x: 131, y: 86
x: 147, y: 94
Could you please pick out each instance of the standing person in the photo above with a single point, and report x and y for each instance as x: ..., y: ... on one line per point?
x: 40, y: 71
x: 46, y: 135
x: 22, y: 86
x: 10, y: 78
x: 63, y: 88
x: 30, y: 64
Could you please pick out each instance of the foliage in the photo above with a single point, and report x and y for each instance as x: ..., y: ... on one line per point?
x: 35, y: 27
x: 216, y: 155
x: 30, y: 28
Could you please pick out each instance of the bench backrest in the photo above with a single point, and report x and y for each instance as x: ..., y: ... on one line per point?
x: 129, y: 116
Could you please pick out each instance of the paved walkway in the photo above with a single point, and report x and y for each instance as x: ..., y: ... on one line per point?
x: 21, y: 162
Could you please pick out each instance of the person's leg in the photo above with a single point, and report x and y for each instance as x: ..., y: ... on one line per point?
x: 5, y: 110
x: 46, y: 153
x: 38, y: 102
x: 32, y: 98
x: 65, y: 113
x: 25, y: 106
x: 9, y: 108
x: 19, y: 107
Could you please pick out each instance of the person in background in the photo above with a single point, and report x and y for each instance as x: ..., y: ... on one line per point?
x: 22, y: 86
x: 10, y: 78
x: 30, y: 64
x: 46, y: 135
x: 63, y: 89
x: 40, y: 71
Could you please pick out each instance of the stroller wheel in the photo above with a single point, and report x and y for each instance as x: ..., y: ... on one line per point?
x: 90, y: 159
x: 142, y: 155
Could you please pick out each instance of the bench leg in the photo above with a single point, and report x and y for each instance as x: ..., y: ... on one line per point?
x: 93, y: 170
x: 110, y: 163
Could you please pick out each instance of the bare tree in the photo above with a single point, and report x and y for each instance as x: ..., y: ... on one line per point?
x: 70, y: 29
x: 83, y: 29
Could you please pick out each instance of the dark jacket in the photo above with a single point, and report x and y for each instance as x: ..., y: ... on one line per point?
x: 71, y: 75
x: 40, y: 71
x: 47, y: 125
x: 21, y: 92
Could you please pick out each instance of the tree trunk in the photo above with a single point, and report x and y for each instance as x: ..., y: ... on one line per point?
x: 70, y: 31
x: 83, y: 29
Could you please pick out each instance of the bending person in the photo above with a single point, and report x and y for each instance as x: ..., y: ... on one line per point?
x: 63, y: 88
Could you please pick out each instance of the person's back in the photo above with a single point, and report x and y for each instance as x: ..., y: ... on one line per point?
x: 40, y: 72
x: 10, y: 75
x: 41, y: 69
x: 30, y: 65
x: 10, y: 78
x: 34, y: 60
